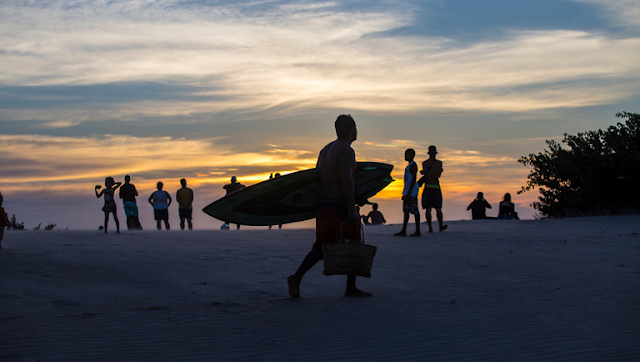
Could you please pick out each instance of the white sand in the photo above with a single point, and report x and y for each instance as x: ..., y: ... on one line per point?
x: 562, y: 290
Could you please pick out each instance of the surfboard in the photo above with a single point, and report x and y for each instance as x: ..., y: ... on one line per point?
x: 293, y: 197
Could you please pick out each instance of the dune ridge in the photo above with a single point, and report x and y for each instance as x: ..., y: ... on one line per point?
x: 554, y: 290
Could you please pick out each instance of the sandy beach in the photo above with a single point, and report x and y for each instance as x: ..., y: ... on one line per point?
x: 535, y: 290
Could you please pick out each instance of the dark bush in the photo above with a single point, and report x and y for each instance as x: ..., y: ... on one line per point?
x: 592, y: 173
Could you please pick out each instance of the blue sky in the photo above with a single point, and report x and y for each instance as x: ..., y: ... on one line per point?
x: 209, y: 89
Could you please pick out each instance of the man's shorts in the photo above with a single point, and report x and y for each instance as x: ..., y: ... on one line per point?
x: 330, y: 214
x: 130, y: 208
x: 410, y: 205
x: 185, y: 213
x: 431, y: 198
x: 161, y: 214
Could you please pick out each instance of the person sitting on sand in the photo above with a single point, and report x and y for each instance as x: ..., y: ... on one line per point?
x: 507, y: 210
x: 432, y: 194
x: 109, y: 201
x: 479, y: 207
x: 4, y: 220
x: 184, y: 197
x: 410, y: 194
x: 161, y: 200
x: 231, y: 188
x: 336, y: 210
x: 128, y: 195
x: 375, y: 217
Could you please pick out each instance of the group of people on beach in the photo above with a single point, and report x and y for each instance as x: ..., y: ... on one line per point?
x: 160, y: 200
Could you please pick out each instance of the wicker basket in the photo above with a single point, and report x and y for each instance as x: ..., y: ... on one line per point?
x: 348, y: 257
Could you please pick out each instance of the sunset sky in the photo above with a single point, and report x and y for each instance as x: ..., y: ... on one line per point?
x: 204, y: 90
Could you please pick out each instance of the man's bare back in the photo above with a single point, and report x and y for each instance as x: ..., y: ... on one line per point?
x: 337, y: 163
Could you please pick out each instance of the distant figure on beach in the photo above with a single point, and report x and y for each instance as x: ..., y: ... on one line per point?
x: 507, y: 209
x: 375, y: 217
x: 432, y: 194
x: 128, y: 195
x: 337, y: 164
x: 161, y: 200
x: 109, y: 201
x: 4, y: 220
x: 271, y: 177
x: 184, y: 197
x: 231, y: 188
x: 479, y: 207
x: 410, y: 194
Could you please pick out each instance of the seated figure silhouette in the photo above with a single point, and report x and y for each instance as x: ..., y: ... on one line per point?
x: 375, y: 217
x: 507, y: 209
x: 479, y: 207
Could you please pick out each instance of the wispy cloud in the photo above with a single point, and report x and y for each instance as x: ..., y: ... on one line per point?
x: 252, y: 56
x: 626, y: 12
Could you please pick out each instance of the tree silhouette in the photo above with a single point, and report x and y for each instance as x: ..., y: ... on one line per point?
x: 591, y: 173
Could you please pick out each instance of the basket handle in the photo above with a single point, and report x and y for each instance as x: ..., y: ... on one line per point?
x: 339, y: 236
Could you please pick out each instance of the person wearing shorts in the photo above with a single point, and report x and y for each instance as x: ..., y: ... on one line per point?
x: 184, y: 197
x: 161, y: 200
x: 432, y: 194
x: 109, y: 201
x: 410, y: 194
x: 128, y: 195
x: 336, y: 210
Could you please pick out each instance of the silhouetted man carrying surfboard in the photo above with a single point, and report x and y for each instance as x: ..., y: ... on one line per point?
x: 337, y: 164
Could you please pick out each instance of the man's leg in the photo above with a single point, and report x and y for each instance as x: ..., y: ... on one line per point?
x: 314, y: 256
x: 427, y: 213
x: 440, y: 221
x: 403, y: 232
x: 166, y: 224
x: 182, y: 219
x: 159, y: 224
x: 190, y: 224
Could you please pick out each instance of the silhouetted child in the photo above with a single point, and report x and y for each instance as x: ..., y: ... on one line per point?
x: 375, y: 217
x: 479, y: 207
x: 507, y: 209
x: 161, y: 200
x: 410, y: 194
x: 4, y: 220
x: 109, y: 201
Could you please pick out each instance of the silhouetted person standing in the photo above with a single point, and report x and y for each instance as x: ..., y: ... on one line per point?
x: 375, y: 217
x: 128, y: 195
x: 410, y: 194
x: 337, y: 164
x: 109, y: 201
x: 161, y: 200
x: 4, y: 220
x: 233, y: 187
x: 431, y: 194
x: 479, y: 207
x: 271, y: 177
x: 184, y: 197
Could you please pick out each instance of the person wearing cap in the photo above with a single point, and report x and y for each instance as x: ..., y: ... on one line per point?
x: 432, y: 194
x: 231, y: 188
